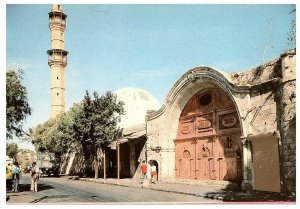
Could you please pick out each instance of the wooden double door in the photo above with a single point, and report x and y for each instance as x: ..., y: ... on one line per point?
x: 207, y: 145
x: 208, y: 159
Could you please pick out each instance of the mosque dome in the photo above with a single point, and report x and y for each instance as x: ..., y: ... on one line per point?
x: 137, y: 102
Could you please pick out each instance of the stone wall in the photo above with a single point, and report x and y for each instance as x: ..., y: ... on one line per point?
x: 288, y: 122
x: 265, y: 98
x: 262, y: 83
x: 258, y: 75
x: 273, y: 109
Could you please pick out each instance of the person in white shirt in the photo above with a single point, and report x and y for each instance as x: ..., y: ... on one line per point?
x: 35, y: 175
x: 153, y: 173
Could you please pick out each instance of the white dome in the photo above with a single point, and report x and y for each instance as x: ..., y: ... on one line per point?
x: 137, y: 102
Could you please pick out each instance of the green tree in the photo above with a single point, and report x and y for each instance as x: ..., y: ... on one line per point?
x: 96, y: 124
x: 56, y: 135
x: 63, y: 138
x: 17, y: 107
x: 12, y: 150
x: 42, y: 135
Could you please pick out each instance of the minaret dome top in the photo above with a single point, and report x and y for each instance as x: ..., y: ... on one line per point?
x: 56, y: 8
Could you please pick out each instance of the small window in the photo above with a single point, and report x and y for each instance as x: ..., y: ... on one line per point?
x: 57, y: 94
x: 57, y: 78
x: 205, y: 99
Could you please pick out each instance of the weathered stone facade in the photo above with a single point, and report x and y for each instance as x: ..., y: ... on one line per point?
x: 288, y: 122
x: 264, y: 100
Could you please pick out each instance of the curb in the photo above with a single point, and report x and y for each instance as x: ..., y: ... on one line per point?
x: 157, y: 189
x: 216, y: 196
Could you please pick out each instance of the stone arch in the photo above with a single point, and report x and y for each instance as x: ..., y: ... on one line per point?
x: 188, y: 85
x: 182, y: 91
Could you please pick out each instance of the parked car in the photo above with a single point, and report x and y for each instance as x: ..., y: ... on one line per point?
x: 51, y: 171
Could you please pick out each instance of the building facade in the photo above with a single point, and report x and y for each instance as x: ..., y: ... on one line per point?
x: 26, y: 157
x: 238, y: 127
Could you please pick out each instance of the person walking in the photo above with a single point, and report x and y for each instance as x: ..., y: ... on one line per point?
x: 144, y: 170
x: 153, y: 173
x: 35, y: 175
x: 8, y: 177
x: 16, y: 171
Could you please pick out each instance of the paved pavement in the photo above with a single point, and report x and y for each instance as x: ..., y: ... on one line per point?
x: 60, y: 191
x: 218, y: 191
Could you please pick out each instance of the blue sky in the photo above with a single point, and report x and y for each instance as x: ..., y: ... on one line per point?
x: 144, y: 46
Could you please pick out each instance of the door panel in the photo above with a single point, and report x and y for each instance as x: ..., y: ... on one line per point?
x: 209, y: 131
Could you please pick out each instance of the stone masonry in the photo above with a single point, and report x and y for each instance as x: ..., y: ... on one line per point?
x: 288, y: 122
x: 265, y: 99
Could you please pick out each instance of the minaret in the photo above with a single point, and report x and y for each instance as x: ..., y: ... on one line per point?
x: 57, y: 59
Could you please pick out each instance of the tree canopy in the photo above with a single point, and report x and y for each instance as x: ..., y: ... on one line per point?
x: 96, y: 124
x: 291, y: 39
x: 12, y: 150
x: 87, y: 127
x: 17, y: 107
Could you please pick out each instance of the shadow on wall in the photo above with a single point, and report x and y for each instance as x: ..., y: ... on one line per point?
x: 81, y: 167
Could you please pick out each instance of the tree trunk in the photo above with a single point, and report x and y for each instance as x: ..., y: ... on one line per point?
x: 104, y: 159
x: 96, y: 167
x: 118, y: 160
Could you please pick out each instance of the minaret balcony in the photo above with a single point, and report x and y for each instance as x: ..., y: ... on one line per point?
x: 57, y: 56
x: 57, y: 18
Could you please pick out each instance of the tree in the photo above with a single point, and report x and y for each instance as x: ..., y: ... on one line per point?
x: 17, y: 107
x: 96, y: 124
x: 41, y: 137
x: 64, y: 131
x: 12, y: 150
x: 292, y: 35
x: 291, y: 40
x: 55, y: 135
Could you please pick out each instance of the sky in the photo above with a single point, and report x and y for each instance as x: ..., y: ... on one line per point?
x: 143, y: 46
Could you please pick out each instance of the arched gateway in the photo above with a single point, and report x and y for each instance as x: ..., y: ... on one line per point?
x: 207, y: 146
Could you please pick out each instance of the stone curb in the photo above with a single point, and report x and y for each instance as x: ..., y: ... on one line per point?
x: 216, y: 196
x: 157, y: 189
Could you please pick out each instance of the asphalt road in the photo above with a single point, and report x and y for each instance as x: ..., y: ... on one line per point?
x: 64, y: 191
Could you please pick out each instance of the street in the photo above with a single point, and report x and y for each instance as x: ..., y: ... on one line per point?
x: 53, y: 190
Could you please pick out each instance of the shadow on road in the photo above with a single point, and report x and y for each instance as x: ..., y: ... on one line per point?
x: 49, y: 197
x: 249, y: 196
x: 41, y: 187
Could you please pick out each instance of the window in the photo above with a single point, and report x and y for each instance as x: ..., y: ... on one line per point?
x: 205, y: 99
x: 57, y: 94
x: 57, y: 78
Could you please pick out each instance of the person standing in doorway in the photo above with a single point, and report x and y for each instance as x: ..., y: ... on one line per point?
x: 144, y: 170
x: 153, y: 173
x: 35, y: 175
x: 16, y: 171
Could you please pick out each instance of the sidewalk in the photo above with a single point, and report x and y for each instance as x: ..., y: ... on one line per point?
x: 219, y: 192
